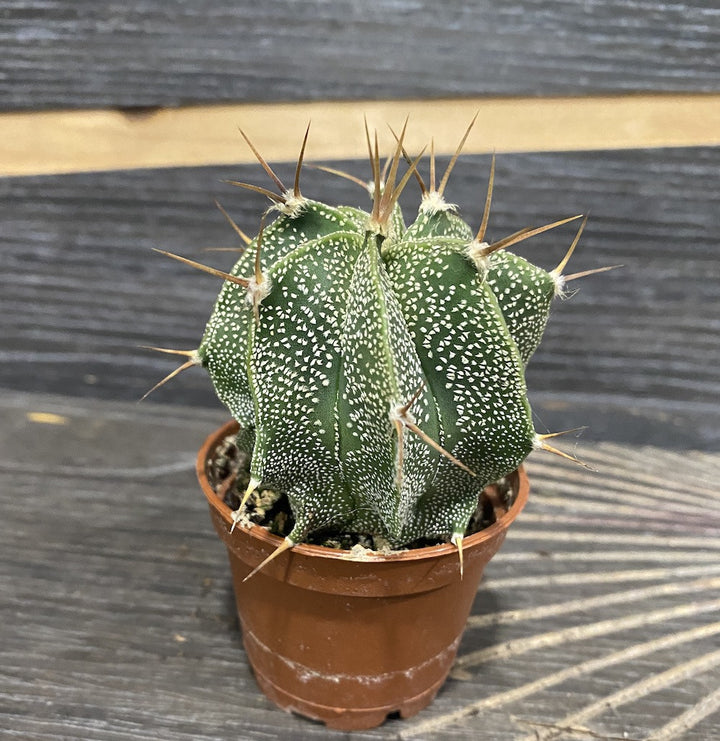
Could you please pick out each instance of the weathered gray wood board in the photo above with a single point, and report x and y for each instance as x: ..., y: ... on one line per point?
x: 117, y: 619
x: 81, y: 288
x: 153, y: 53
x: 599, y: 618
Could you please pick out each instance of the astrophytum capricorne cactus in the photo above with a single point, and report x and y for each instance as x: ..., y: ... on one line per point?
x: 379, y: 368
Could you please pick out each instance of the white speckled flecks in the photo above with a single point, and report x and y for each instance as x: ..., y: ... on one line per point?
x: 524, y: 293
x: 354, y: 326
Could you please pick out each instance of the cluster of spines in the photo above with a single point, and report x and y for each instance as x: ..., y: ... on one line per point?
x: 290, y: 253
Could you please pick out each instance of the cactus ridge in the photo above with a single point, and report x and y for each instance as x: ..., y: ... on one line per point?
x: 380, y: 370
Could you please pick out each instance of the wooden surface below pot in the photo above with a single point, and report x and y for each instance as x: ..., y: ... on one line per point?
x: 120, y: 622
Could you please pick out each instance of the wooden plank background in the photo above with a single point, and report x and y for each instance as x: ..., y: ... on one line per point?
x: 599, y: 617
x: 153, y: 53
x: 81, y: 288
x: 118, y: 621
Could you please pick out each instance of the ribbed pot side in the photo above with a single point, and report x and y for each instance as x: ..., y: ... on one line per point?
x: 350, y: 641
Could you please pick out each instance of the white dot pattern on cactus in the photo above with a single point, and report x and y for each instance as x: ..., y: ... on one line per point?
x: 383, y: 376
x: 524, y: 293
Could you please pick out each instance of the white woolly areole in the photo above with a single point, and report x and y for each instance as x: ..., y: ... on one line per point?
x: 537, y: 442
x: 398, y: 413
x: 478, y: 253
x: 256, y: 292
x: 375, y: 227
x: 560, y: 284
x: 291, y: 205
x: 433, y: 203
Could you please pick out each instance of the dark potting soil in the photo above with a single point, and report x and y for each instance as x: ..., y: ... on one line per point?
x: 229, y: 474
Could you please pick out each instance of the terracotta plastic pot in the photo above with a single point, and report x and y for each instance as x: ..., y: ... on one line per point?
x: 350, y: 641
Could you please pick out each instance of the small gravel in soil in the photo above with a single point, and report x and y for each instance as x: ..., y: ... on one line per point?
x: 230, y: 470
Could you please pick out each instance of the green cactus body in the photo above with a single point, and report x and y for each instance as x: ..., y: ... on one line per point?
x: 524, y: 293
x: 380, y: 368
x: 224, y: 350
x: 434, y: 222
x: 472, y: 368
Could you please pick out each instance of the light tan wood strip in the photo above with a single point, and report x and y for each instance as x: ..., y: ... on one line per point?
x: 36, y: 143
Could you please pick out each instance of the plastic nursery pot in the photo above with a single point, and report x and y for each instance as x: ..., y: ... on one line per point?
x: 350, y: 641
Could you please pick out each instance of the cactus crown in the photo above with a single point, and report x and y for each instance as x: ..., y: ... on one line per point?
x: 379, y: 367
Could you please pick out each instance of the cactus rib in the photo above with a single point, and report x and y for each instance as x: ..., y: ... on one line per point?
x: 377, y: 369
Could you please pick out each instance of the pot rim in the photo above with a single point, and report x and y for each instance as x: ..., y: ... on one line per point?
x: 318, y: 551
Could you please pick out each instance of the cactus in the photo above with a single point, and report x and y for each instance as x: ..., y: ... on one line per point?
x: 377, y: 369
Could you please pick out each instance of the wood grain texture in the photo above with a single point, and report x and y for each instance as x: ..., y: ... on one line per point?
x: 151, y: 53
x: 117, y: 619
x: 48, y: 143
x: 81, y: 289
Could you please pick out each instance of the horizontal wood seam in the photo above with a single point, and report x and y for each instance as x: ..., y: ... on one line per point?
x: 44, y: 143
